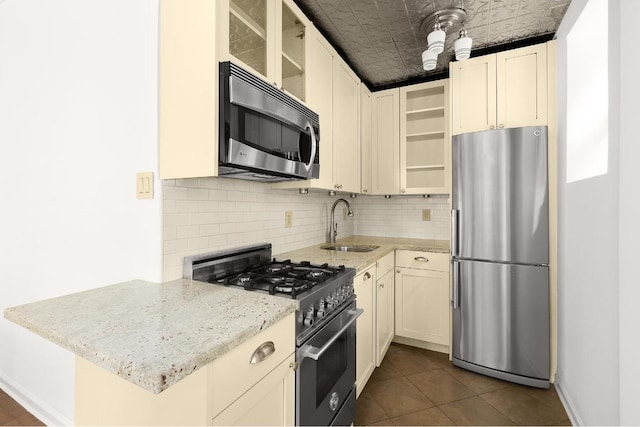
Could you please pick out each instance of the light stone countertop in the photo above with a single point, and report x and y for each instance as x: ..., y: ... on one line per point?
x: 362, y: 260
x: 152, y: 334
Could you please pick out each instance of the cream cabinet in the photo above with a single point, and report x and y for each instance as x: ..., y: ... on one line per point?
x: 503, y: 90
x: 270, y: 402
x: 384, y: 306
x: 346, y: 132
x: 422, y: 297
x: 425, y: 138
x: 188, y: 89
x: 335, y: 96
x: 228, y: 391
x: 364, y: 288
x: 385, y: 148
x: 267, y: 37
x: 365, y: 140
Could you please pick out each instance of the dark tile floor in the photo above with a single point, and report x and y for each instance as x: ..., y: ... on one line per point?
x: 420, y: 387
x: 12, y: 414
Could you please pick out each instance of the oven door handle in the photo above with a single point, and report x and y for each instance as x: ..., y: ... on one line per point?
x: 315, y: 352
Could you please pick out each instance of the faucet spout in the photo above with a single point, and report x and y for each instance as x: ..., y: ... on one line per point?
x: 333, y: 226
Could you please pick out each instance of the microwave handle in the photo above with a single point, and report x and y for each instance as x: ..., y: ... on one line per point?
x: 314, y: 147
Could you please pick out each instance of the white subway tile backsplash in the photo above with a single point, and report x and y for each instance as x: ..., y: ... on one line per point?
x: 211, y: 214
x: 198, y: 193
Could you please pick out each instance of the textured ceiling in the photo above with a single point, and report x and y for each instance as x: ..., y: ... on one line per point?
x: 383, y: 42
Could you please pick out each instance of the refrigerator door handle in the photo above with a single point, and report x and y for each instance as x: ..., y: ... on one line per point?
x: 454, y: 232
x: 455, y: 303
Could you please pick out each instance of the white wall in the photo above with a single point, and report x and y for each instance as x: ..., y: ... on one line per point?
x: 629, y: 226
x: 598, y: 374
x: 78, y: 119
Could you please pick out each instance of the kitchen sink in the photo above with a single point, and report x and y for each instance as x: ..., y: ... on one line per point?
x: 349, y: 248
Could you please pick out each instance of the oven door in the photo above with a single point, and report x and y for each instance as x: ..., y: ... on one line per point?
x: 326, y: 371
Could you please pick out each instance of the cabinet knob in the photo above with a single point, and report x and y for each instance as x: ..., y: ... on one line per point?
x: 381, y: 285
x: 398, y: 271
x: 492, y: 127
x: 501, y: 125
x: 403, y: 190
x: 366, y: 276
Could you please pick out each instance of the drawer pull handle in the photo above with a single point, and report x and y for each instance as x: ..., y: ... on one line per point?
x: 421, y: 258
x: 263, y: 352
x: 366, y: 276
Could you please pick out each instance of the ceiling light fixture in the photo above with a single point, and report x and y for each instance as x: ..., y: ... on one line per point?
x: 438, y: 25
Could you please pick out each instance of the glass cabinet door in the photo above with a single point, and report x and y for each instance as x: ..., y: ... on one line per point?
x: 248, y: 33
x: 293, y: 52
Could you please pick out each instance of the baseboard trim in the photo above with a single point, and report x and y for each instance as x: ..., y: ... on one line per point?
x: 569, y: 407
x: 422, y: 344
x: 41, y: 410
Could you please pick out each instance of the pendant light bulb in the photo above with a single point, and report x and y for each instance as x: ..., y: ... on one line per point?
x: 429, y: 60
x: 435, y: 39
x: 462, y: 46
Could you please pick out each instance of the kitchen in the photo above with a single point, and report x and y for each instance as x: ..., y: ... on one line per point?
x: 80, y: 216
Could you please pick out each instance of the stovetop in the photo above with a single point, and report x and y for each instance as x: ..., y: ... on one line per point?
x: 283, y: 277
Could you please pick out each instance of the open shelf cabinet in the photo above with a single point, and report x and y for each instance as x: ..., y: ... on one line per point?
x: 425, y: 138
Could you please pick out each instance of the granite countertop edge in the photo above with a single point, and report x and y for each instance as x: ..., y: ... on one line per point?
x: 362, y: 260
x: 150, y: 371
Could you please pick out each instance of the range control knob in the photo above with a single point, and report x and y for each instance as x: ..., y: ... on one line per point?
x: 308, y: 318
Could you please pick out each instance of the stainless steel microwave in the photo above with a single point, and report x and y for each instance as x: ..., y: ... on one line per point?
x: 265, y: 135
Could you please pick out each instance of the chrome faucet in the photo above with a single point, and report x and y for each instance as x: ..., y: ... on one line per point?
x: 333, y: 226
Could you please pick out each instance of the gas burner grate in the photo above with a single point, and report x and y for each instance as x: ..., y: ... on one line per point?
x: 283, y: 277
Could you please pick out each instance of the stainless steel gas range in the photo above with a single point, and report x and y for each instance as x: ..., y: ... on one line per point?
x: 325, y: 323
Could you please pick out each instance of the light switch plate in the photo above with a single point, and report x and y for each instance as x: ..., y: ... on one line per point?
x: 144, y: 185
x: 426, y: 214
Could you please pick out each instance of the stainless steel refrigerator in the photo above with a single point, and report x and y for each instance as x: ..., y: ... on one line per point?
x: 500, y: 254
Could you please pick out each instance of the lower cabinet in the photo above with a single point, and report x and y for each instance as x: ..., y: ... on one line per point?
x: 228, y: 391
x: 384, y: 306
x: 422, y: 296
x: 364, y: 287
x: 270, y: 402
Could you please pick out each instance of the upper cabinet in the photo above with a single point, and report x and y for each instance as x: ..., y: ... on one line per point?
x: 335, y: 96
x: 365, y: 140
x: 268, y: 38
x: 385, y: 150
x: 346, y: 130
x: 503, y: 90
x: 188, y: 89
x: 424, y: 138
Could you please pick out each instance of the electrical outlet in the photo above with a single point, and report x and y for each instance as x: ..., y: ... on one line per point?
x: 426, y: 214
x: 288, y: 219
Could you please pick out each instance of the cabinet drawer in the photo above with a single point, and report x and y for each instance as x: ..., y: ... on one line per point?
x: 384, y: 265
x: 423, y: 260
x: 232, y: 374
